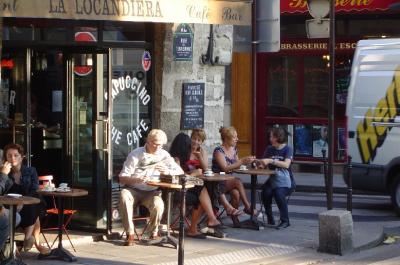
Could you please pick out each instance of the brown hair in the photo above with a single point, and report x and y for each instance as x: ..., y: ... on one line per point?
x: 14, y: 146
x: 227, y: 133
x: 199, y: 133
x: 280, y: 134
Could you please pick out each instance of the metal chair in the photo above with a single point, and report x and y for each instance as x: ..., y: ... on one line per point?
x: 68, y: 213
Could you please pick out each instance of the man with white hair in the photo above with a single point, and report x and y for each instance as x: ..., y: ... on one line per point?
x: 139, y: 166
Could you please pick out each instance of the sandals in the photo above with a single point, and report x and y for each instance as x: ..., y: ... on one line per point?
x: 43, y: 250
x: 251, y: 211
x: 234, y: 212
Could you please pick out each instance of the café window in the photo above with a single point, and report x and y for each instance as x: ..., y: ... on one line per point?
x: 132, y: 101
x: 316, y: 83
x: 282, y: 86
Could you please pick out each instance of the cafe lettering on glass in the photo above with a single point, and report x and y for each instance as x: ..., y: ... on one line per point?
x: 192, y: 106
x: 137, y: 88
x: 183, y: 43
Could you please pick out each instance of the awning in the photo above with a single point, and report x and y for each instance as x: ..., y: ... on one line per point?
x: 342, y: 6
x: 168, y: 11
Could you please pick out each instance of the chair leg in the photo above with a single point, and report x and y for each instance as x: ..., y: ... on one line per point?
x: 67, y: 234
x: 261, y: 206
x: 45, y: 239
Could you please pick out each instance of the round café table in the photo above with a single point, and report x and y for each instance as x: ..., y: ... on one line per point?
x: 216, y: 177
x: 60, y: 252
x: 13, y: 202
x: 253, y: 223
x: 170, y: 187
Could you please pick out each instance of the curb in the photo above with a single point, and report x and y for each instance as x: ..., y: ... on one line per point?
x: 372, y: 243
x: 321, y: 189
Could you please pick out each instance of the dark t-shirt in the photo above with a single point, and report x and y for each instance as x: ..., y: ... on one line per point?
x: 279, y: 154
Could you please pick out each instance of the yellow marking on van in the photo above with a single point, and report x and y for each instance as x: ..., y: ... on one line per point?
x: 369, y: 137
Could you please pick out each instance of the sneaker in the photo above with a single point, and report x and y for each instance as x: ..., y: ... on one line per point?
x: 130, y: 240
x: 282, y: 225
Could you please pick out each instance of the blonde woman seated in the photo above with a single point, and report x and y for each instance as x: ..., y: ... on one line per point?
x: 192, y: 159
x: 226, y: 159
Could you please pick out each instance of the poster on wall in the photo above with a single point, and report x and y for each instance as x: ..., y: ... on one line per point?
x: 192, y: 106
x: 320, y: 140
x: 303, y: 140
x: 341, y: 142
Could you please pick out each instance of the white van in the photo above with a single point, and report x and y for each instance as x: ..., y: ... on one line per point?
x: 373, y: 117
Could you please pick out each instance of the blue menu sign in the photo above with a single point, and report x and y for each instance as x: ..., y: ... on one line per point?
x: 183, y: 43
x: 192, y: 106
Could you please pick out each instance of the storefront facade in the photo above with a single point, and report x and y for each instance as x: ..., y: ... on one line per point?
x: 292, y: 84
x: 82, y: 84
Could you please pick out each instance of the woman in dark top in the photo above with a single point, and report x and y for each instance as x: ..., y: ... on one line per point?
x: 181, y: 150
x: 278, y: 156
x: 18, y: 178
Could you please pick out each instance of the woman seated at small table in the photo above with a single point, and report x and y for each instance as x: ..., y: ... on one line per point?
x: 193, y: 160
x: 226, y: 159
x: 278, y: 156
x: 18, y: 178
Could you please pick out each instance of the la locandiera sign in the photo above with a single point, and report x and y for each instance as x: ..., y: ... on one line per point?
x: 168, y: 11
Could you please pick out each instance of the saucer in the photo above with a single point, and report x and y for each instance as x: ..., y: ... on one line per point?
x: 209, y: 175
x: 14, y: 195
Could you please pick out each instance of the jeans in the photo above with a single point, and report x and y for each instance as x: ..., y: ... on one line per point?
x: 279, y: 194
x: 4, y: 227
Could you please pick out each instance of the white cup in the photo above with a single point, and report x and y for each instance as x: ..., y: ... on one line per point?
x: 208, y: 173
x: 243, y: 167
x: 63, y: 185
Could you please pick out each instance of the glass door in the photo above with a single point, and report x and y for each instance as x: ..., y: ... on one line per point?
x: 87, y: 137
x: 13, y: 98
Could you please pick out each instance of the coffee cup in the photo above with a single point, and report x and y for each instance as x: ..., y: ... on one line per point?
x: 64, y: 185
x: 243, y: 167
x: 208, y: 173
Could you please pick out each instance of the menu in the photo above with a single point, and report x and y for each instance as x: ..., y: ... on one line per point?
x: 192, y: 106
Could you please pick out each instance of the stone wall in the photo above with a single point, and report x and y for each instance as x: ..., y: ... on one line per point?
x: 175, y: 73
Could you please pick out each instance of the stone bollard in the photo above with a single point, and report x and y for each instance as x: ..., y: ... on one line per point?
x: 335, y: 232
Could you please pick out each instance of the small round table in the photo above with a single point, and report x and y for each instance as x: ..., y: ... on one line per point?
x: 60, y: 252
x: 216, y: 177
x: 170, y: 239
x: 13, y: 202
x: 253, y: 223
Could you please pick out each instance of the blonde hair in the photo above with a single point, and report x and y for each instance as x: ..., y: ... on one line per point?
x: 199, y: 133
x: 157, y: 135
x: 227, y: 133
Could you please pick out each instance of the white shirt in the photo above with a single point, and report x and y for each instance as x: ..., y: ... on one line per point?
x: 139, y: 163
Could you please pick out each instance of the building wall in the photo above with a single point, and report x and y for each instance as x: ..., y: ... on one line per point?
x: 175, y: 73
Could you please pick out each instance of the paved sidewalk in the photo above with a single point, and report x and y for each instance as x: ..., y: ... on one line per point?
x: 295, y: 245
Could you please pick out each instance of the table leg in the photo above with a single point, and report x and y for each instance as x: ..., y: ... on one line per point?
x: 169, y: 239
x: 60, y: 252
x: 12, y: 259
x: 252, y: 223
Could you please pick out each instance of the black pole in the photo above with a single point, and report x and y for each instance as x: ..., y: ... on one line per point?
x: 325, y: 171
x: 181, y: 250
x: 349, y: 186
x: 331, y: 103
x: 254, y: 75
